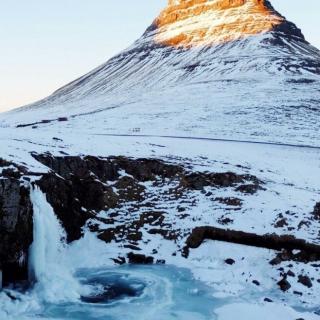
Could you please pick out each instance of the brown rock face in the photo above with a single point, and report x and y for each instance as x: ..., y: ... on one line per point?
x: 192, y: 23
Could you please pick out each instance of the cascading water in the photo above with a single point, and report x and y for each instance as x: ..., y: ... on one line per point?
x: 48, y: 262
x: 50, y: 270
x: 77, y: 281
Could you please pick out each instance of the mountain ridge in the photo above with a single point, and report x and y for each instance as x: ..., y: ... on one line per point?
x: 189, y: 23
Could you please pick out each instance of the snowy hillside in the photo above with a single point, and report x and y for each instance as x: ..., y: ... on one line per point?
x: 262, y: 87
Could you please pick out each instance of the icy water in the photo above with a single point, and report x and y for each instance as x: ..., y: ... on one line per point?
x: 137, y: 292
x: 73, y: 282
x: 128, y: 292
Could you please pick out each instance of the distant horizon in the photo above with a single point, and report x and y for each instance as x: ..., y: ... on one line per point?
x: 44, y: 47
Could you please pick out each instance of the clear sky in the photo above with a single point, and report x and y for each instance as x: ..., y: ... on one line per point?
x: 45, y: 44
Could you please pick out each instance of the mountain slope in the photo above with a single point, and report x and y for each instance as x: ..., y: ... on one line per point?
x: 251, y: 76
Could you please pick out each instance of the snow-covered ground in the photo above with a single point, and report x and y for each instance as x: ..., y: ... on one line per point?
x: 291, y: 182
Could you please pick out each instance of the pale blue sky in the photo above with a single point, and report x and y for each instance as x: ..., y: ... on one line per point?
x: 45, y: 44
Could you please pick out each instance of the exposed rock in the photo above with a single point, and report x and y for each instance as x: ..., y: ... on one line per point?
x: 78, y: 183
x: 302, y: 256
x: 256, y: 282
x: 305, y: 280
x: 129, y: 189
x: 131, y: 231
x: 139, y: 258
x: 119, y: 260
x: 225, y: 221
x: 315, y: 265
x: 15, y: 229
x: 275, y: 261
x: 284, y: 284
x: 78, y: 188
x: 269, y: 241
x: 229, y: 261
x: 147, y: 169
x: 249, y: 188
x: 132, y: 247
x: 281, y: 223
x: 4, y: 163
x: 178, y: 24
x: 161, y: 261
x: 316, y: 211
x: 303, y: 223
x: 230, y: 201
x: 69, y: 197
x: 166, y: 234
x: 199, y: 180
x: 290, y: 274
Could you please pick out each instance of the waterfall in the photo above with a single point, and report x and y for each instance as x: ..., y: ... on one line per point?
x: 49, y: 266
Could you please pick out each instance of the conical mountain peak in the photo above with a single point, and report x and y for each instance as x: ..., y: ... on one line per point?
x: 188, y: 23
x: 193, y: 49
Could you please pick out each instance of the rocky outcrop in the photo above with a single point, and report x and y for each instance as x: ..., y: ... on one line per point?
x: 316, y: 211
x: 139, y: 258
x: 78, y: 188
x: 67, y: 198
x: 192, y: 23
x: 15, y: 223
x: 309, y: 251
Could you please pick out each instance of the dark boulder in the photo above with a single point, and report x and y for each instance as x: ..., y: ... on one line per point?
x: 290, y: 274
x: 256, y: 282
x: 161, y: 261
x: 284, y: 284
x: 139, y: 258
x: 305, y: 280
x: 249, y: 188
x: 229, y: 261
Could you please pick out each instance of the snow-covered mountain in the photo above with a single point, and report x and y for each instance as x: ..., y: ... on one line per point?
x: 223, y: 69
x: 198, y: 147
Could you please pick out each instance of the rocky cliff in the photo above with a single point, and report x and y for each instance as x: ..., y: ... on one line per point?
x: 15, y: 223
